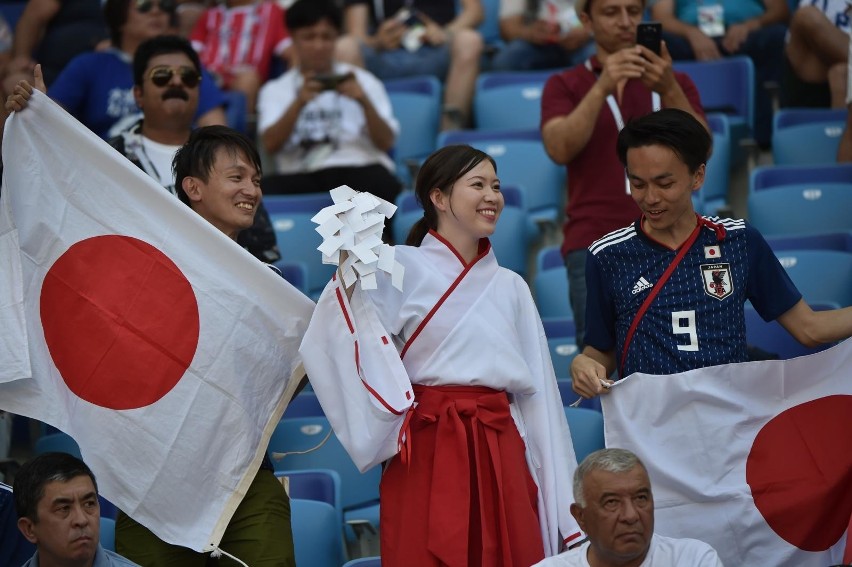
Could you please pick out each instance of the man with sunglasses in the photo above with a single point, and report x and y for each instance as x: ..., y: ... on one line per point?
x: 166, y: 81
x: 97, y: 88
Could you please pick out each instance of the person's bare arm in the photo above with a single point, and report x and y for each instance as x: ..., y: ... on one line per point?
x: 470, y: 15
x: 703, y: 46
x: 278, y: 133
x: 30, y: 30
x: 565, y: 136
x: 813, y: 328
x: 380, y: 132
x: 590, y: 370
x: 777, y: 12
x: 356, y: 22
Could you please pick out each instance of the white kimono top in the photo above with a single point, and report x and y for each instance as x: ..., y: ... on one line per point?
x: 363, y: 355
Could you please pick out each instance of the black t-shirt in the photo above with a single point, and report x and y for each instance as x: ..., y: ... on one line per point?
x: 442, y: 11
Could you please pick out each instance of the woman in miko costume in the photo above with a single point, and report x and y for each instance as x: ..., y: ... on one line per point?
x: 449, y: 383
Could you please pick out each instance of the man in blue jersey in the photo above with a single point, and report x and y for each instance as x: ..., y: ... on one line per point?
x: 666, y: 294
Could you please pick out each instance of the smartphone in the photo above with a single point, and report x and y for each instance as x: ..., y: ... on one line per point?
x: 650, y: 35
x: 330, y: 82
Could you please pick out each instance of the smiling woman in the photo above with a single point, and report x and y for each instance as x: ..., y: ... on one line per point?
x: 457, y: 455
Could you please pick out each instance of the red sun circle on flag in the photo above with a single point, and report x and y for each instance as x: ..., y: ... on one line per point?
x: 120, y: 321
x: 800, y: 470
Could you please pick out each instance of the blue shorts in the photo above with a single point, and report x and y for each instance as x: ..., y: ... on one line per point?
x: 399, y: 63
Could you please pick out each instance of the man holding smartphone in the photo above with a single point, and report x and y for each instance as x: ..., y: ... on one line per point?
x: 582, y: 111
x: 326, y: 123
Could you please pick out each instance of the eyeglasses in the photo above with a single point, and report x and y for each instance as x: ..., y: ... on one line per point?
x: 145, y: 6
x: 162, y: 75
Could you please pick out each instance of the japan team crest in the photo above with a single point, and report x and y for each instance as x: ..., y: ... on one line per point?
x: 717, y: 280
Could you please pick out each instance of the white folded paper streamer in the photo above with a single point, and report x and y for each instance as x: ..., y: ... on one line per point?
x: 354, y: 223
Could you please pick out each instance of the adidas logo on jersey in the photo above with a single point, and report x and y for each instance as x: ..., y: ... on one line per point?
x: 641, y: 285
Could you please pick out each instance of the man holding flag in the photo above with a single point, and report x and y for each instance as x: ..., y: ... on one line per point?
x: 126, y: 332
x: 666, y: 296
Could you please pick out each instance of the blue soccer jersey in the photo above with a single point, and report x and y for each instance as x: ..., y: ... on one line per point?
x: 697, y: 318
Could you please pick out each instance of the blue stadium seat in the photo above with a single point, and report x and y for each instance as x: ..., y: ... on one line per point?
x: 57, y: 443
x: 316, y: 534
x: 297, y: 238
x: 587, y: 430
x: 108, y: 533
x: 772, y: 176
x: 726, y: 85
x: 295, y: 273
x: 807, y: 136
x: 305, y: 404
x: 774, y: 338
x: 365, y: 562
x: 322, y: 485
x: 490, y: 26
x: 359, y: 492
x: 569, y: 396
x: 714, y: 193
x: 509, y: 100
x: 521, y: 161
x: 788, y: 206
x: 562, y: 343
x: 510, y: 240
x: 550, y: 284
x: 841, y: 241
x: 822, y: 276
x: 416, y: 104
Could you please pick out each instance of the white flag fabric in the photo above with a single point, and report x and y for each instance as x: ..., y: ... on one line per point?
x: 167, y: 351
x: 753, y: 458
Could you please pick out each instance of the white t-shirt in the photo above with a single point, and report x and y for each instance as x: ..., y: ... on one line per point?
x: 558, y: 11
x: 664, y: 552
x: 157, y: 159
x: 331, y: 130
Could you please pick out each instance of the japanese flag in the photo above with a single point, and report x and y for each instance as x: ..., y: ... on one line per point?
x: 753, y: 458
x: 167, y: 351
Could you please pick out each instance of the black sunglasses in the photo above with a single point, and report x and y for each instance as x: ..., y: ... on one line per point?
x: 162, y: 75
x: 145, y: 6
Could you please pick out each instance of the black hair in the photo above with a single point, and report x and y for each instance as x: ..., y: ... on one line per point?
x: 115, y: 15
x: 197, y: 156
x: 306, y: 13
x: 673, y: 128
x: 36, y: 473
x: 586, y: 6
x: 441, y: 170
x: 161, y: 45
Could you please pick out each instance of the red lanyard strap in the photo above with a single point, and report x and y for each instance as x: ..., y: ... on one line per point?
x: 655, y: 290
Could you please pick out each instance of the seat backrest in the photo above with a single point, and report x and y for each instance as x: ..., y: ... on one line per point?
x: 726, y: 85
x: 293, y: 435
x: 416, y: 103
x: 317, y: 536
x: 522, y: 161
x: 550, y: 284
x: 840, y: 241
x: 822, y: 276
x: 297, y: 238
x: 108, y: 533
x: 305, y: 404
x: 807, y: 136
x: 57, y: 443
x: 587, y: 430
x: 509, y: 100
x: 295, y: 273
x: 772, y: 176
x: 714, y: 192
x: 801, y: 209
x: 364, y: 562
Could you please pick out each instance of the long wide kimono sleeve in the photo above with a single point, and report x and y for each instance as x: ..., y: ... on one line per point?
x: 550, y: 450
x: 357, y: 374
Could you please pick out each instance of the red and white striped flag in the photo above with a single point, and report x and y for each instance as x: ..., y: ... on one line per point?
x: 167, y: 351
x: 753, y: 458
